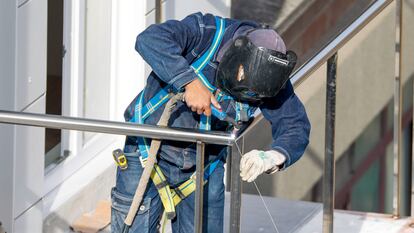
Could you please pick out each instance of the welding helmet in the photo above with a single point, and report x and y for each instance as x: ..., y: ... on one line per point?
x: 255, y: 66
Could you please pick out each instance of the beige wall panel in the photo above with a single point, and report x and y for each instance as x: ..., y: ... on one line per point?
x: 296, y: 181
x: 407, y: 40
x: 365, y: 77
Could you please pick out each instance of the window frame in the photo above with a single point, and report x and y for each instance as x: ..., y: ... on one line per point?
x: 128, y: 18
x: 76, y: 154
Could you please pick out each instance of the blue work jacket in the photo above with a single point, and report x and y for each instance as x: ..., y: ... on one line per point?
x: 170, y: 48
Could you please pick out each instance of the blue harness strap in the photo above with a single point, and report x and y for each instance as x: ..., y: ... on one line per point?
x: 142, y: 111
x: 155, y: 102
x: 200, y: 63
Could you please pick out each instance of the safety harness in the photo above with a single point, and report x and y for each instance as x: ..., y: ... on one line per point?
x: 171, y: 197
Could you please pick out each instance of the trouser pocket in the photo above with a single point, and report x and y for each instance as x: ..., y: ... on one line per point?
x: 120, y: 207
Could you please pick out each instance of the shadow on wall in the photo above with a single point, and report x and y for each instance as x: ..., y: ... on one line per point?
x: 59, y: 224
x: 263, y: 11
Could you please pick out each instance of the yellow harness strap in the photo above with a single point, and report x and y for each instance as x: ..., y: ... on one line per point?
x: 172, y: 197
x: 183, y: 191
x: 164, y: 191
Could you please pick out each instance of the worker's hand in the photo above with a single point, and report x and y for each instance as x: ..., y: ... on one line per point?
x: 256, y: 162
x: 199, y: 98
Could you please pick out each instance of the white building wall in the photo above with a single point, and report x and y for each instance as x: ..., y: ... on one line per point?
x: 7, y: 73
x: 23, y: 76
x: 29, y: 163
x: 30, y: 221
x: 31, y: 41
x: 30, y: 92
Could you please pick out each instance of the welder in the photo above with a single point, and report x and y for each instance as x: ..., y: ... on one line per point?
x: 229, y: 67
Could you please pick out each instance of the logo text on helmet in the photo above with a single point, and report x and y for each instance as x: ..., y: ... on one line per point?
x: 274, y: 59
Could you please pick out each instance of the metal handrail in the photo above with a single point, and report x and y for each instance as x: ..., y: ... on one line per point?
x: 113, y: 127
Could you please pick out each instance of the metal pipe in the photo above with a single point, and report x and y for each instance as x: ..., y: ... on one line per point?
x: 158, y: 11
x: 329, y: 166
x: 313, y: 64
x: 235, y: 187
x: 228, y: 169
x: 112, y: 127
x: 400, y: 195
x: 198, y: 213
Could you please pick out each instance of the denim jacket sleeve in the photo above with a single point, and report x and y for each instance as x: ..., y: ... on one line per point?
x: 163, y: 47
x: 290, y: 124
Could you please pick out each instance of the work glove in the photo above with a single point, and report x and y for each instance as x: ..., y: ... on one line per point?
x: 256, y: 162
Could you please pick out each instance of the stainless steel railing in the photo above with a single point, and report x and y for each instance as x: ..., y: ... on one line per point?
x: 328, y: 53
x: 149, y: 131
x: 113, y: 127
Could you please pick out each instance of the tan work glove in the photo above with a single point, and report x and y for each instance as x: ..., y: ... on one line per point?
x: 256, y: 162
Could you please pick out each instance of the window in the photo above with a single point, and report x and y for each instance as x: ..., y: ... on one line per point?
x: 82, y: 88
x: 54, y: 80
x: 100, y: 74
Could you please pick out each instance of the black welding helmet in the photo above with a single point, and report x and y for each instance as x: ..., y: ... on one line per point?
x: 251, y: 73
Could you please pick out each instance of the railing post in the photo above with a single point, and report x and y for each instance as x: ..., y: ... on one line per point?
x: 235, y: 188
x: 198, y: 212
x: 228, y: 169
x: 158, y: 11
x: 402, y: 189
x: 329, y: 166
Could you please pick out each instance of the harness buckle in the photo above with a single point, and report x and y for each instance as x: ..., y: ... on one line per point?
x: 143, y: 161
x: 161, y: 185
x: 120, y: 159
x: 179, y: 193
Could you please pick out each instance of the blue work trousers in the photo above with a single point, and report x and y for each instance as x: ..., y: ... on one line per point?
x: 150, y: 212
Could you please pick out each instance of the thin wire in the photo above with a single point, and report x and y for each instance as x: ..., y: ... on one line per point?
x: 261, y: 197
x: 267, y: 210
